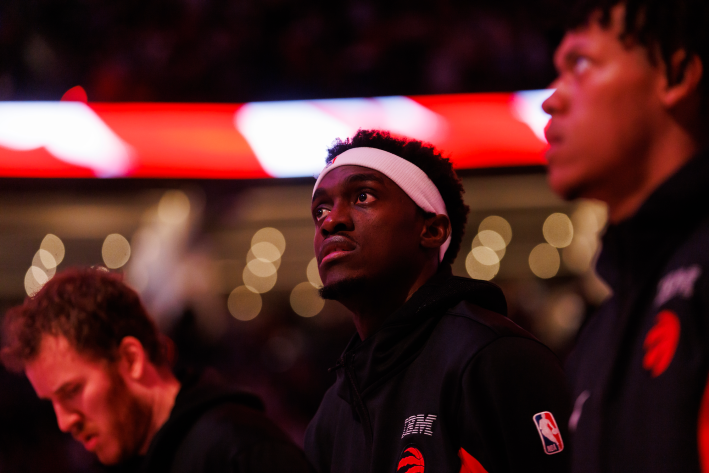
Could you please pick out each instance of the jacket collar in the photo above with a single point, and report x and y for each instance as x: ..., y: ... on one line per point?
x: 402, y: 337
x: 201, y: 390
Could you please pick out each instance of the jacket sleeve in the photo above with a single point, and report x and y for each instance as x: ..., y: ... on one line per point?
x: 514, y: 410
x: 702, y: 307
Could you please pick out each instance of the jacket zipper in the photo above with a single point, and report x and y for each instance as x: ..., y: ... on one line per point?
x: 360, y: 408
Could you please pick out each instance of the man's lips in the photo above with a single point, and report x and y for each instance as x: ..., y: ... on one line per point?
x: 335, y: 247
x: 89, y: 441
x: 553, y: 137
x: 555, y: 140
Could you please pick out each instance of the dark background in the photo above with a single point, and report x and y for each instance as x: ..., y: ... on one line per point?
x: 250, y: 50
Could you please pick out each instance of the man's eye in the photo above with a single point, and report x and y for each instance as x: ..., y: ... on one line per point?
x: 365, y: 197
x: 321, y: 213
x: 72, y: 391
x: 581, y: 64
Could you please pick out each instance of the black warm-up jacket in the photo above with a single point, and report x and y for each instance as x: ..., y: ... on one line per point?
x: 639, y: 371
x: 214, y: 429
x: 448, y: 384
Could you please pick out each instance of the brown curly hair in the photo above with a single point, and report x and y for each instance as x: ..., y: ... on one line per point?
x: 93, y: 309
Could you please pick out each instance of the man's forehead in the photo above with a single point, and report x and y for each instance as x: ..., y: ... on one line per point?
x: 597, y: 26
x: 343, y: 176
x: 51, y: 345
x: 57, y: 361
x: 573, y: 42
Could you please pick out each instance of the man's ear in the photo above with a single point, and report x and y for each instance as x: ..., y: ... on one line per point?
x: 132, y: 358
x: 436, y: 230
x: 686, y: 82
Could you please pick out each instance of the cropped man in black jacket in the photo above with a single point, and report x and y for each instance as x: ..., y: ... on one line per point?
x: 87, y: 345
x: 629, y: 127
x: 436, y: 378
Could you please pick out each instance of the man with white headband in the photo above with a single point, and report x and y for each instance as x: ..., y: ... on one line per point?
x: 436, y: 377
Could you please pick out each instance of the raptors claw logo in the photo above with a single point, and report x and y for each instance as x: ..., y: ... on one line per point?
x: 411, y: 461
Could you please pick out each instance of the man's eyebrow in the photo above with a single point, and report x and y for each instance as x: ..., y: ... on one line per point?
x: 63, y: 388
x: 576, y: 47
x: 353, y: 179
x: 318, y: 192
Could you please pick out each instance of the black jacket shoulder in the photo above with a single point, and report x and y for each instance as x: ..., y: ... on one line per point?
x: 216, y: 429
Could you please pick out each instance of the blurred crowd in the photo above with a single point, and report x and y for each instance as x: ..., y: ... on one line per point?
x: 250, y: 50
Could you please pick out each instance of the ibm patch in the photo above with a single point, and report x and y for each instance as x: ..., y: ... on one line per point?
x: 419, y: 424
x: 679, y: 282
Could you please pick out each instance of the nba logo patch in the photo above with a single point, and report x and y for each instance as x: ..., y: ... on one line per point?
x: 549, y: 432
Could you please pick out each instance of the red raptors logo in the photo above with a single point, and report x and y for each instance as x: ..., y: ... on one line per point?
x: 411, y: 461
x: 661, y: 343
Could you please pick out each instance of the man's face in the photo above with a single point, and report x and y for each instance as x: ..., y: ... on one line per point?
x: 605, y: 111
x: 90, y: 399
x: 366, y: 227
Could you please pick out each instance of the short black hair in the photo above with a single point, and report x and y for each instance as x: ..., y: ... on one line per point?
x: 431, y: 161
x: 663, y: 26
x: 92, y: 308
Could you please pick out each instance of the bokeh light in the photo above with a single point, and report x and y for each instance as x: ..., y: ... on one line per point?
x: 588, y: 220
x: 544, y: 261
x: 589, y: 217
x: 488, y: 248
x: 492, y: 239
x: 313, y: 273
x: 262, y: 269
x: 263, y: 260
x: 35, y: 278
x: 244, y: 304
x: 579, y: 254
x: 44, y: 261
x: 174, y: 207
x: 272, y: 236
x: 305, y: 300
x: 266, y: 251
x: 257, y: 283
x: 558, y: 230
x: 498, y: 225
x: 115, y: 251
x: 478, y: 270
x: 485, y: 255
x: 250, y: 256
x: 54, y: 246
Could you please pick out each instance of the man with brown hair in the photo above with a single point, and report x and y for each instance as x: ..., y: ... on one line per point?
x: 629, y: 127
x: 87, y: 345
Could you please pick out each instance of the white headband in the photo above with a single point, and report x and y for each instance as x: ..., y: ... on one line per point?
x: 409, y: 177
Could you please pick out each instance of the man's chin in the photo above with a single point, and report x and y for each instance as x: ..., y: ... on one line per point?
x: 109, y: 458
x: 343, y: 289
x: 563, y: 186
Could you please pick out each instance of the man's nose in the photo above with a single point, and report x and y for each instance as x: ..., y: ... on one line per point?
x: 553, y: 103
x: 66, y: 418
x: 338, y: 219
